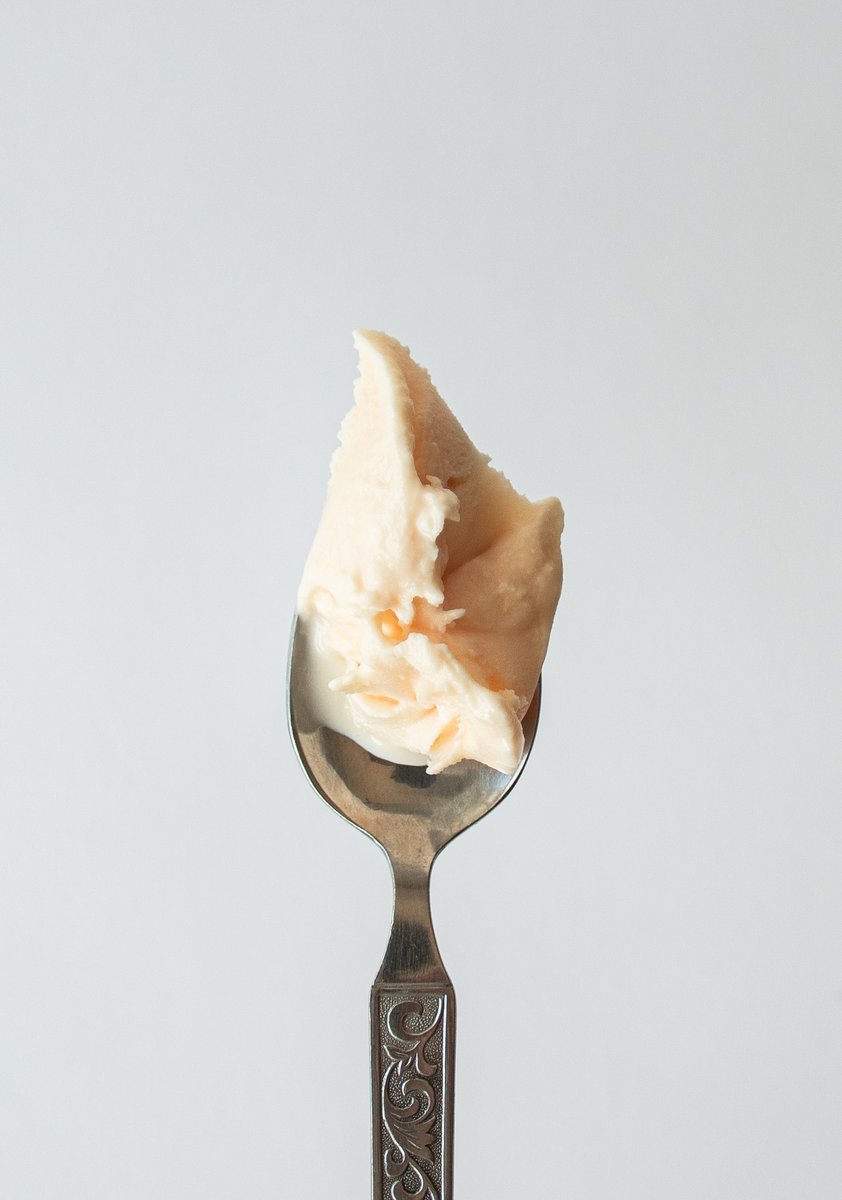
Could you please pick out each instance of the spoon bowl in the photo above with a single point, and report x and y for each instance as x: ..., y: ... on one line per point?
x: 384, y: 799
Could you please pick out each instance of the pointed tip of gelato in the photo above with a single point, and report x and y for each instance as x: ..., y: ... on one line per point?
x: 368, y: 337
x: 376, y: 339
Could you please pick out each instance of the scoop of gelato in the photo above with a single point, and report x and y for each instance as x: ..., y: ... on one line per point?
x: 431, y: 586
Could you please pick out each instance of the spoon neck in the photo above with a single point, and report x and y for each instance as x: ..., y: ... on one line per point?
x: 412, y: 955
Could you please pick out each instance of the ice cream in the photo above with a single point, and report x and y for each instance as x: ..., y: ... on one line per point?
x: 430, y: 589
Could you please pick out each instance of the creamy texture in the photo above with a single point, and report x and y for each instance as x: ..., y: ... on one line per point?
x: 430, y: 589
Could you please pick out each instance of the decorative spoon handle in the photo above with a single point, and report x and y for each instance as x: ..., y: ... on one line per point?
x: 413, y: 1053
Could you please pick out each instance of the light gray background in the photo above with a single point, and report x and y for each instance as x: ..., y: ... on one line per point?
x: 612, y: 232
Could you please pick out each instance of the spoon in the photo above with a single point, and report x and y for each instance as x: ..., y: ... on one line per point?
x: 412, y: 816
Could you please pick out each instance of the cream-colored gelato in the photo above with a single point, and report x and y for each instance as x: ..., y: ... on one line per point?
x: 430, y: 588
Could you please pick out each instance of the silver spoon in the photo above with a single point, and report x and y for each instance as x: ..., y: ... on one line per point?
x: 412, y: 816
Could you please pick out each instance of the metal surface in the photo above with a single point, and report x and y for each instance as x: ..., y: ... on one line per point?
x: 412, y: 816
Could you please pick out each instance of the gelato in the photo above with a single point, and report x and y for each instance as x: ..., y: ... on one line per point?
x: 430, y: 589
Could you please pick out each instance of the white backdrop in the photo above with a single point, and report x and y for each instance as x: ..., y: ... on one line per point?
x: 612, y: 232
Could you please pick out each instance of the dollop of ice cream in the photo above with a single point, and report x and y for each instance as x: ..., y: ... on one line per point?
x: 431, y: 586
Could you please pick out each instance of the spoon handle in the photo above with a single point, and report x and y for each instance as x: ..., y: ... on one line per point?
x: 413, y: 1054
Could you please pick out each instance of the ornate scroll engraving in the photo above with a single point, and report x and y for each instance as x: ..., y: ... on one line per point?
x: 411, y: 1040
